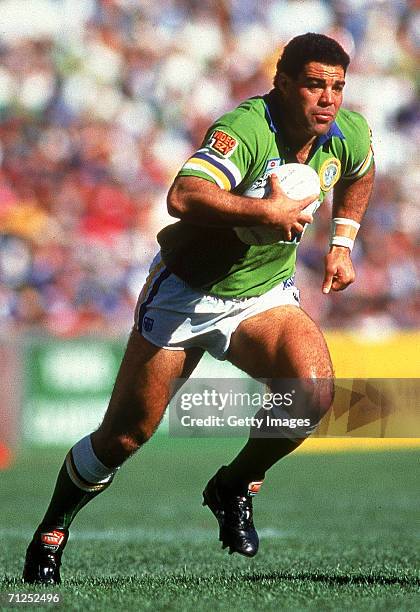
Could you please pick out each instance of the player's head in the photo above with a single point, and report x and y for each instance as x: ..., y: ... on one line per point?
x: 310, y: 78
x: 307, y: 48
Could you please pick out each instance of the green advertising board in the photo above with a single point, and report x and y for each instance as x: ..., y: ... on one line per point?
x: 68, y: 383
x: 67, y: 387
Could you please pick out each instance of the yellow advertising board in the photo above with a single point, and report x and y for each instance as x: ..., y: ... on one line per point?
x: 395, y: 356
x: 370, y: 362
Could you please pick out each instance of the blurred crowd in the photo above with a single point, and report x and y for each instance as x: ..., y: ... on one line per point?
x: 101, y: 101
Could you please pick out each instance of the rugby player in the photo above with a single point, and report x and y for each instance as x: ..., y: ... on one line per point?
x: 208, y: 291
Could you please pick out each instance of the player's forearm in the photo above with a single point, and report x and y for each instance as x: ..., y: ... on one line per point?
x: 204, y: 203
x: 351, y: 199
x: 350, y: 203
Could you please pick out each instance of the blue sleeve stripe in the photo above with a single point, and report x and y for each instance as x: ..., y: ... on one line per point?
x: 219, y: 166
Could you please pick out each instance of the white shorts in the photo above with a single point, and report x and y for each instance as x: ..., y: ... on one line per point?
x: 172, y: 315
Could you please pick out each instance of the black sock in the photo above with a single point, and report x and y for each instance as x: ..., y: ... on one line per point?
x: 254, y: 459
x: 68, y: 498
x: 273, y: 440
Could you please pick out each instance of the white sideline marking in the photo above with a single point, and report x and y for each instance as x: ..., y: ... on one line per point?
x: 138, y: 534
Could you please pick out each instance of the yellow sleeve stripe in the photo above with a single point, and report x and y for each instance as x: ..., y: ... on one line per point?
x: 366, y: 163
x: 363, y: 168
x: 195, y: 163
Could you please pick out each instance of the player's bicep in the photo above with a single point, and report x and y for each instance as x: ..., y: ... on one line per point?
x: 186, y: 190
x: 352, y: 197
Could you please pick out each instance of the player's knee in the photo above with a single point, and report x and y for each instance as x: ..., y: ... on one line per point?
x: 317, y: 384
x: 314, y: 398
x: 306, y: 399
x: 321, y: 395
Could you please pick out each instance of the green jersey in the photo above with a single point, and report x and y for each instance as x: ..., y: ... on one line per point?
x: 238, y: 152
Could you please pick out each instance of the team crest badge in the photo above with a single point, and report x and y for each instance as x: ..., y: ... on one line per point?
x: 330, y: 173
x: 148, y: 324
x: 222, y: 143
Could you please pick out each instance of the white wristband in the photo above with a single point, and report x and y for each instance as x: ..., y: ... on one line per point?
x: 343, y: 232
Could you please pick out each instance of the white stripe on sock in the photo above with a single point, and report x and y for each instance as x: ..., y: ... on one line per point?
x: 88, y: 465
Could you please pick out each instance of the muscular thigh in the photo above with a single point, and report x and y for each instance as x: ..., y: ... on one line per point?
x: 144, y: 384
x: 282, y: 342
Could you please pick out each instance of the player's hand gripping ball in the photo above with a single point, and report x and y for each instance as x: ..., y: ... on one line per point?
x: 298, y: 181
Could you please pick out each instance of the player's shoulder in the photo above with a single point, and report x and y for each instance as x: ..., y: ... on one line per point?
x: 351, y: 123
x: 245, y: 114
x: 247, y: 121
x: 355, y: 149
x: 242, y: 129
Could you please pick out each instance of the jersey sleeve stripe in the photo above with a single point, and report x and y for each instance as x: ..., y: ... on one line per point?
x: 195, y: 163
x: 219, y: 166
x: 364, y: 166
x: 204, y: 167
x: 224, y: 164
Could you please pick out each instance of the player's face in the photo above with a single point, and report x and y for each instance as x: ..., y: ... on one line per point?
x: 314, y: 98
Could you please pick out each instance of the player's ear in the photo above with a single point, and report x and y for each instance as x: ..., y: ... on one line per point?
x: 282, y: 82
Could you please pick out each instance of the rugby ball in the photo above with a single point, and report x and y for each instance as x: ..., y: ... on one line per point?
x: 298, y: 181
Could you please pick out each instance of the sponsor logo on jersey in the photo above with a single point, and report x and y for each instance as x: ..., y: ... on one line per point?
x: 329, y: 173
x: 273, y: 163
x: 222, y: 143
x: 148, y: 324
x: 52, y: 538
x: 289, y: 282
x: 261, y: 181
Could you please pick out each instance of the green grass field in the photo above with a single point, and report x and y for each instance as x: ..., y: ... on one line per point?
x: 338, y: 531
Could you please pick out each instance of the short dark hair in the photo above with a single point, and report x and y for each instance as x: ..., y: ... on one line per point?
x: 307, y: 48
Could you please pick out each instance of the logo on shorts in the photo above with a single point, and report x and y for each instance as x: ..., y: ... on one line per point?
x: 330, y: 173
x: 148, y: 324
x: 222, y: 143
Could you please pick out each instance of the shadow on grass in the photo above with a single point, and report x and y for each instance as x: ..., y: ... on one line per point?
x: 356, y: 579
x: 190, y: 580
